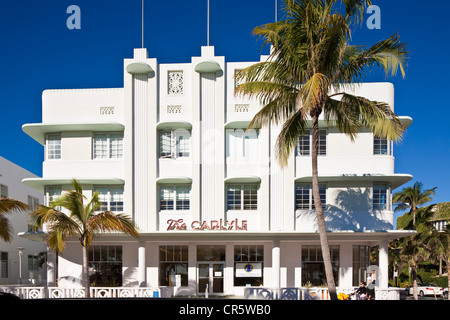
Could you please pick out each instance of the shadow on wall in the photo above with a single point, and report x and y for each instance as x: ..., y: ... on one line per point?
x: 353, y: 211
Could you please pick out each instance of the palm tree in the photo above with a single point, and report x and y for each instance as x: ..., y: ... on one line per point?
x: 412, y: 197
x: 439, y: 243
x: 82, y: 222
x: 8, y: 205
x: 310, y: 64
x: 412, y: 250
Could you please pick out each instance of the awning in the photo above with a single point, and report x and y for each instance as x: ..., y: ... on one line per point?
x: 174, y: 180
x: 207, y: 67
x: 243, y: 179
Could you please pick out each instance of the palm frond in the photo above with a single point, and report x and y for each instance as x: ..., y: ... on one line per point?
x: 312, y: 92
x: 108, y: 221
x: 353, y: 112
x: 390, y: 55
x: 355, y: 9
x: 59, y: 226
x: 73, y: 201
x: 288, y: 136
x: 8, y: 205
x: 6, y: 229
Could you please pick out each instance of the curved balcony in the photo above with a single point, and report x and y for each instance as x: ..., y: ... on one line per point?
x: 37, y: 131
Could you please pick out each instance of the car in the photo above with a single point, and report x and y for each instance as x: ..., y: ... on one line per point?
x: 4, y: 296
x: 425, y: 289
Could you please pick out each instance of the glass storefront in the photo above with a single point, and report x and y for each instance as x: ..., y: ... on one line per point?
x: 248, y: 265
x: 210, y: 268
x: 313, y: 268
x: 173, y: 265
x: 361, y: 260
x: 105, y: 266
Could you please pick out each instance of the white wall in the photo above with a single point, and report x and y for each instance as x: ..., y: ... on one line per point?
x: 82, y: 105
x: 11, y: 175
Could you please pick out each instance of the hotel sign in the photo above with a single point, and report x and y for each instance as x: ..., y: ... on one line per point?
x: 220, y: 224
x: 249, y: 269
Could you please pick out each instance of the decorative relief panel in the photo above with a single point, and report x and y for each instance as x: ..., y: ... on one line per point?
x: 174, y: 109
x: 241, y: 108
x: 175, y: 82
x: 106, y: 110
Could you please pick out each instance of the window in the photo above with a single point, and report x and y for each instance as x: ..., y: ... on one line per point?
x: 33, y: 262
x: 242, y: 197
x: 304, y: 143
x: 248, y: 265
x: 111, y: 198
x: 322, y: 143
x: 313, y: 268
x: 174, y: 143
x: 380, y: 201
x: 440, y: 225
x: 173, y: 265
x: 236, y: 82
x: 3, y: 191
x: 361, y: 260
x: 381, y: 146
x: 54, y: 146
x: 242, y: 144
x: 33, y: 203
x: 108, y: 146
x: 174, y: 197
x: 304, y: 198
x: 4, y: 265
x: 52, y: 192
x: 105, y: 265
x: 175, y: 82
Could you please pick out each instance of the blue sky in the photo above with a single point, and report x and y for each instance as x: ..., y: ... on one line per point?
x: 39, y: 52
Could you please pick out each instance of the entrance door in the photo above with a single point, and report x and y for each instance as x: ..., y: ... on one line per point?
x: 210, y: 277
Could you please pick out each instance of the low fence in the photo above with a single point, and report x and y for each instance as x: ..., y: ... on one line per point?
x: 262, y: 293
x: 96, y: 292
x: 258, y: 293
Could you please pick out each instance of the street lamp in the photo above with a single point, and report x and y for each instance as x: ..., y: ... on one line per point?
x: 20, y: 263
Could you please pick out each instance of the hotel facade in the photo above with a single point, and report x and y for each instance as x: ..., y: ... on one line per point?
x: 215, y: 211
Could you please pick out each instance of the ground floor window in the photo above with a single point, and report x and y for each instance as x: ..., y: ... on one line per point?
x: 313, y: 268
x: 3, y: 264
x: 173, y: 265
x: 248, y: 265
x: 105, y: 266
x: 361, y: 260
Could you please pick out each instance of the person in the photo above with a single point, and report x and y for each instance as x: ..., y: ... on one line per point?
x: 371, y: 287
x: 361, y: 293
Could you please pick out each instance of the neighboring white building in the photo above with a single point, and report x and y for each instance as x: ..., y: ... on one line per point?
x: 214, y: 208
x: 12, y: 270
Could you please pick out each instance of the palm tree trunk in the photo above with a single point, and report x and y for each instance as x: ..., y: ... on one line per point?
x: 319, y: 211
x: 415, y: 289
x: 85, y: 277
x: 448, y: 276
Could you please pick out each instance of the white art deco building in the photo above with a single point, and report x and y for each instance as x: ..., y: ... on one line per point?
x: 215, y: 210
